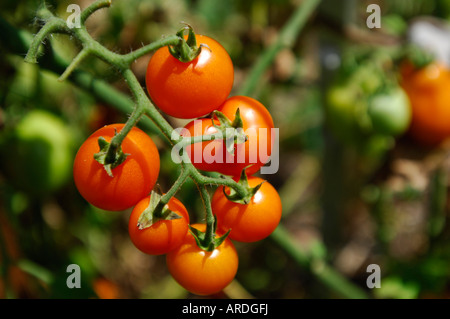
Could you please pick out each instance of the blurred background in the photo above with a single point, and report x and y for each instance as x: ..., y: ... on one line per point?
x: 362, y: 180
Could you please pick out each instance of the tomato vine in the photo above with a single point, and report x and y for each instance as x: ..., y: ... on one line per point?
x: 144, y: 108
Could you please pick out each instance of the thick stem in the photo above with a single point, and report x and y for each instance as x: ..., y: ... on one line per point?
x: 175, y: 187
x: 53, y: 25
x: 210, y: 219
x: 117, y: 140
x: 170, y: 40
x: 147, y: 107
x: 75, y: 62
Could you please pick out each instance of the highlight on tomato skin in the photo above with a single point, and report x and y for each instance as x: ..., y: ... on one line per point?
x: 132, y: 180
x: 193, y: 89
x: 252, y: 222
x: 203, y: 272
x: 162, y: 236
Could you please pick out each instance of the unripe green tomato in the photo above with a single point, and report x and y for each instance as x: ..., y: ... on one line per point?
x: 345, y: 113
x: 390, y: 113
x: 37, y: 156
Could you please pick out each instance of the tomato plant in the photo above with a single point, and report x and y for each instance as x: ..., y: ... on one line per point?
x: 190, y: 89
x: 427, y: 88
x: 203, y: 272
x: 255, y: 152
x: 117, y: 166
x: 37, y: 154
x: 248, y: 222
x: 162, y: 236
x: 131, y: 181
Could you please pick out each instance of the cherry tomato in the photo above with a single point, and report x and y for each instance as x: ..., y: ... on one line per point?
x: 255, y: 152
x: 252, y: 222
x: 164, y: 235
x: 428, y: 91
x: 203, y: 272
x: 192, y: 89
x: 132, y: 180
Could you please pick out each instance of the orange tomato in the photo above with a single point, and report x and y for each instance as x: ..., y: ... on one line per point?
x: 255, y: 152
x: 203, y: 272
x: 132, y: 180
x: 162, y: 236
x: 429, y: 94
x: 252, y: 222
x: 105, y: 289
x: 192, y: 89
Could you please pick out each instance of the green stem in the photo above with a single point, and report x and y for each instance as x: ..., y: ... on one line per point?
x: 176, y: 186
x: 86, y: 13
x: 189, y: 140
x: 99, y: 50
x: 170, y: 40
x: 285, y: 39
x: 147, y: 107
x: 117, y: 140
x: 75, y: 62
x: 210, y: 219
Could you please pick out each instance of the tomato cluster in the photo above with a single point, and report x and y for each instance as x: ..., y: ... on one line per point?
x: 189, y: 90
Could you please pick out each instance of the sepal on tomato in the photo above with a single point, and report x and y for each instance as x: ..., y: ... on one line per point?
x: 105, y: 158
x: 186, y: 50
x: 155, y: 212
x: 238, y: 136
x: 202, y: 241
x: 250, y: 191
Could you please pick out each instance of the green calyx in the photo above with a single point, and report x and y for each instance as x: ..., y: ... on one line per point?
x: 186, y: 50
x: 234, y: 196
x: 155, y: 212
x: 110, y: 155
x: 205, y: 243
x: 233, y: 131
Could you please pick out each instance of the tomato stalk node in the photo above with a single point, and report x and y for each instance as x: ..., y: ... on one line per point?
x: 236, y: 197
x: 155, y: 212
x: 238, y: 136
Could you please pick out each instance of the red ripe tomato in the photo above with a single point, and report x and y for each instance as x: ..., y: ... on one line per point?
x: 192, y: 89
x: 162, y: 236
x: 203, y: 272
x: 212, y: 156
x: 133, y: 179
x: 251, y: 222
